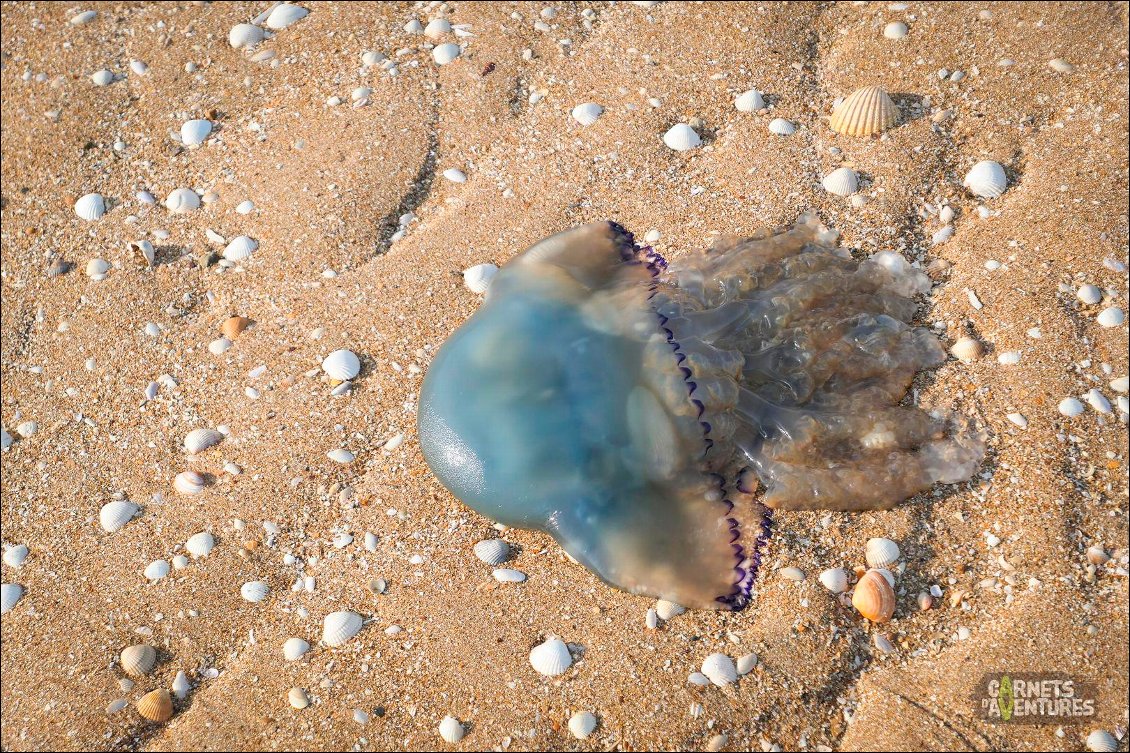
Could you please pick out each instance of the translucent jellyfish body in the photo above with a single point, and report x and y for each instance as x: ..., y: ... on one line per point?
x: 648, y: 416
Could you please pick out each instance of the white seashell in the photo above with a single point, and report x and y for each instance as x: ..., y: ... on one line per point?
x: 842, y: 182
x: 455, y: 175
x: 446, y: 52
x: 27, y: 429
x: 942, y: 235
x: 946, y: 215
x: 478, y: 278
x: 864, y: 112
x: 1121, y: 384
x: 339, y: 627
x: 835, y: 579
x: 437, y: 27
x: 1009, y: 358
x: 782, y: 127
x: 668, y: 609
x: 200, y: 544
x: 97, y: 269
x: 254, y: 591
x: 746, y: 664
x: 341, y: 365
x: 284, y: 15
x: 450, y: 729
x: 370, y: 58
x: 143, y: 249
x: 116, y: 705
x: 102, y: 77
x: 881, y: 553
x: 244, y: 36
x: 90, y: 207
x: 146, y: 198
x: 10, y: 593
x: 199, y: 440
x: 138, y: 660
x: 219, y: 346
x: 240, y: 248
x: 698, y: 678
x: 1111, y: 317
x: 1102, y: 741
x: 114, y: 515
x: 295, y: 648
x: 551, y: 658
x: 582, y: 724
x: 750, y: 101
x: 14, y: 556
x: 791, y: 573
x: 587, y: 113
x: 506, y: 575
x: 895, y: 30
x: 651, y: 619
x: 156, y: 570
x: 1018, y: 419
x: 414, y: 27
x: 340, y: 456
x: 720, y: 669
x: 85, y: 17
x: 986, y: 179
x: 492, y: 551
x: 181, y: 685
x: 1070, y: 407
x: 1089, y: 294
x: 193, y: 132
x: 189, y: 482
x: 1059, y: 65
x: 1098, y: 401
x: 180, y: 562
x: 681, y: 137
x: 182, y: 201
x: 297, y: 698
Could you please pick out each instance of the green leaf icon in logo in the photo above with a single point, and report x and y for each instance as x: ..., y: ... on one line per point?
x: 1005, y: 700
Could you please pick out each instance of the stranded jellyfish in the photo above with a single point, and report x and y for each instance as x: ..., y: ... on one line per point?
x: 648, y: 416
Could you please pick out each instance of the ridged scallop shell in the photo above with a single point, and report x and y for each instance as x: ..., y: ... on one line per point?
x: 874, y: 597
x: 750, y: 101
x: 835, y: 579
x: 156, y: 706
x: 587, y: 113
x: 492, y: 551
x: 114, y: 515
x: 254, y: 591
x: 437, y: 27
x: 1102, y: 741
x: 842, y: 182
x: 180, y: 562
x: 551, y: 658
x: 193, y: 132
x: 342, y: 365
x: 90, y: 207
x: 284, y: 15
x: 967, y: 349
x: 478, y: 278
x: 865, y: 112
x: 681, y: 137
x: 881, y: 553
x: 240, y: 248
x: 199, y: 440
x: 189, y: 482
x: 668, y: 609
x: 156, y: 570
x: 200, y: 544
x: 446, y: 52
x: 986, y: 179
x: 582, y: 724
x: 451, y: 729
x: 339, y: 627
x: 138, y: 660
x: 14, y: 556
x: 243, y: 36
x: 295, y: 648
x: 10, y: 593
x: 720, y: 669
x: 782, y: 127
x: 182, y: 201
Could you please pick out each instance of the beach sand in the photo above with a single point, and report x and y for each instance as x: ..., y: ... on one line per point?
x: 329, y: 184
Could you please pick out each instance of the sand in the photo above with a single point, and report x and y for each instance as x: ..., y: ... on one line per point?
x: 329, y: 185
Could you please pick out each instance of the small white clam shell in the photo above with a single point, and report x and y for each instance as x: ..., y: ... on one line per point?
x: 284, y: 15
x: 835, y: 579
x: 1097, y: 400
x: 295, y: 648
x: 114, y: 515
x: 446, y: 52
x: 746, y: 663
x: 587, y: 113
x: 240, y: 248
x: 14, y: 556
x: 986, y: 179
x: 720, y: 669
x: 551, y: 658
x: 450, y: 729
x: 582, y: 724
x: 193, y: 132
x: 792, y: 573
x: 85, y: 17
x: 181, y: 685
x: 138, y: 660
x: 97, y: 269
x: 182, y: 201
x: 492, y: 551
x: 750, y: 101
x: 156, y: 570
x: 102, y: 77
x: 895, y: 30
x: 681, y: 137
x: 180, y: 562
x: 254, y: 591
x: 339, y: 627
x: 455, y: 175
x: 90, y: 207
x: 414, y: 27
x: 881, y: 553
x: 189, y: 482
x: 199, y: 440
x: 219, y: 346
x: 10, y: 593
x: 1111, y: 317
x: 342, y: 365
x: 372, y: 57
x: 1121, y: 384
x: 782, y: 127
x: 478, y: 278
x: 668, y: 609
x: 1102, y: 741
x: 200, y: 544
x: 340, y: 455
x: 507, y: 575
x: 1089, y: 294
x: 842, y: 182
x: 243, y: 36
x: 1070, y: 407
x: 437, y: 27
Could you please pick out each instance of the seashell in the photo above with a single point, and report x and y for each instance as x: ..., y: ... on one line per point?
x: 681, y: 137
x: 138, y: 660
x: 1070, y: 407
x: 746, y: 664
x: 925, y: 601
x: 942, y: 235
x: 1101, y: 740
x: 370, y: 58
x: 143, y: 252
x: 414, y: 27
x: 881, y: 553
x: 254, y: 591
x: 114, y: 515
x: 284, y: 15
x: 506, y: 575
x: 492, y: 551
x: 116, y: 706
x: 455, y: 175
x: 245, y: 36
x: 240, y: 248
x: 90, y: 207
x: 1111, y: 317
x: 895, y: 30
x: 5, y: 440
x: 842, y: 182
x: 446, y: 52
x: 791, y: 573
x: 58, y: 267
x: 1089, y: 294
x: 1059, y: 65
x: 551, y: 658
x: 156, y: 706
x: 782, y: 127
x: 587, y: 113
x: 582, y: 724
x: 874, y: 597
x: 450, y: 729
x: 102, y: 77
x: 193, y: 132
x: 233, y: 325
x: 14, y: 556
x: 199, y: 440
x: 27, y: 429
x: 339, y: 627
x: 298, y: 698
x: 436, y: 28
x: 97, y: 269
x: 10, y: 593
x: 698, y: 678
x: 651, y: 620
x: 156, y: 570
x: 189, y: 482
x: 865, y: 112
x: 85, y: 17
x: 720, y: 669
x: 668, y: 609
x: 182, y: 201
x: 245, y: 207
x: 986, y: 179
x: 1097, y: 400
x: 341, y: 365
x: 717, y: 742
x: 295, y: 648
x: 967, y: 349
x: 180, y: 562
x: 835, y: 579
x: 181, y: 685
x: 1096, y: 555
x: 340, y: 456
x: 478, y: 278
x: 750, y: 101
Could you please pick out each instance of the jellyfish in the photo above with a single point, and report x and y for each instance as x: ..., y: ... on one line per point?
x: 651, y: 416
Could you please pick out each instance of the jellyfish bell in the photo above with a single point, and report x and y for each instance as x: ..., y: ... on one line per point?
x: 647, y: 417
